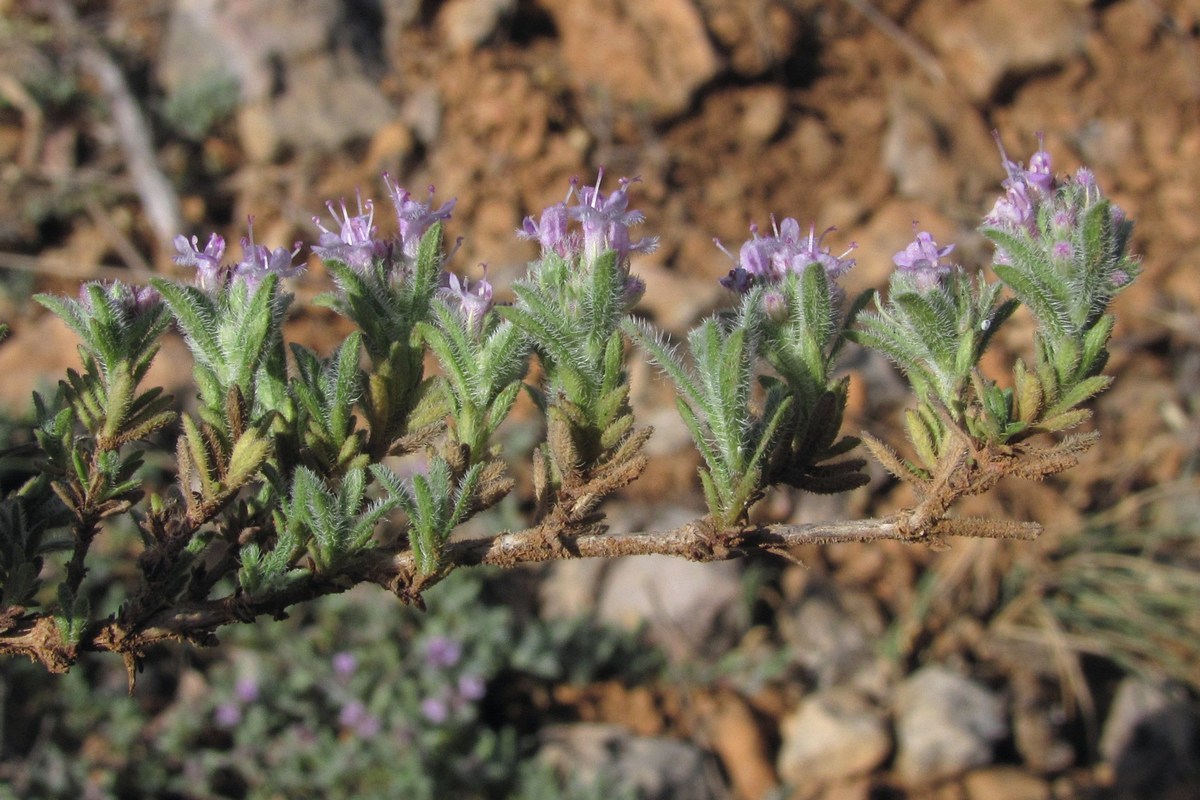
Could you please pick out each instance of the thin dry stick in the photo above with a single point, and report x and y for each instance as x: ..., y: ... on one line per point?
x: 159, y: 200
x: 912, y: 48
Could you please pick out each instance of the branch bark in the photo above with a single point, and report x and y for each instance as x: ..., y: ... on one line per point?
x: 197, y: 622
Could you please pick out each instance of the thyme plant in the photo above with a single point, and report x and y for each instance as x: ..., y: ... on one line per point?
x: 281, y: 492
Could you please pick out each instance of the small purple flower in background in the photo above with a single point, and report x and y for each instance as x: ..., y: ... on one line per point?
x: 474, y: 300
x: 435, y: 710
x: 921, y: 261
x: 246, y: 689
x: 442, y: 651
x: 414, y: 216
x: 227, y: 715
x: 354, y: 244
x: 471, y: 687
x: 207, y: 261
x: 354, y: 715
x: 344, y: 664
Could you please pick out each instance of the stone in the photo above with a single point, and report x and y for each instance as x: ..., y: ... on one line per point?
x: 1151, y: 738
x: 655, y: 53
x: 983, y: 44
x: 946, y: 724
x: 466, y: 24
x: 685, y: 606
x: 656, y: 768
x: 241, y: 39
x: 327, y: 104
x: 1005, y: 783
x: 763, y: 114
x: 833, y: 735
x: 832, y: 632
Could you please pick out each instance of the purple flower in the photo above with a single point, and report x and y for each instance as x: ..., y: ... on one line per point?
x: 259, y: 261
x: 368, y: 727
x: 227, y: 715
x: 1039, y: 178
x: 442, y: 651
x: 798, y: 254
x: 606, y: 221
x: 246, y: 689
x: 414, y: 216
x: 551, y: 230
x: 354, y: 244
x: 354, y: 715
x: 768, y: 259
x: 344, y: 664
x: 774, y: 305
x: 921, y: 261
x: 471, y: 687
x: 474, y: 301
x: 207, y: 261
x: 1025, y: 190
x: 435, y: 710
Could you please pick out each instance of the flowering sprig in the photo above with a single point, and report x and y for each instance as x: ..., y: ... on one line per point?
x: 571, y: 308
x: 1062, y: 249
x: 386, y: 287
x: 789, y: 317
x: 483, y: 358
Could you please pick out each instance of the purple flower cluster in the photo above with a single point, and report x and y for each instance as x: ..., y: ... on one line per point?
x: 355, y: 242
x: 604, y: 222
x: 922, y: 263
x: 1027, y: 191
x: 468, y: 689
x: 767, y: 260
x: 355, y: 717
x: 415, y: 217
x: 258, y: 261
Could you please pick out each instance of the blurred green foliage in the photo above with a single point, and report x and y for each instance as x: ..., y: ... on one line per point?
x: 365, y: 699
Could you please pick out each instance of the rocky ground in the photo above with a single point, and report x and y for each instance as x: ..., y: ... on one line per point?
x: 906, y: 674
